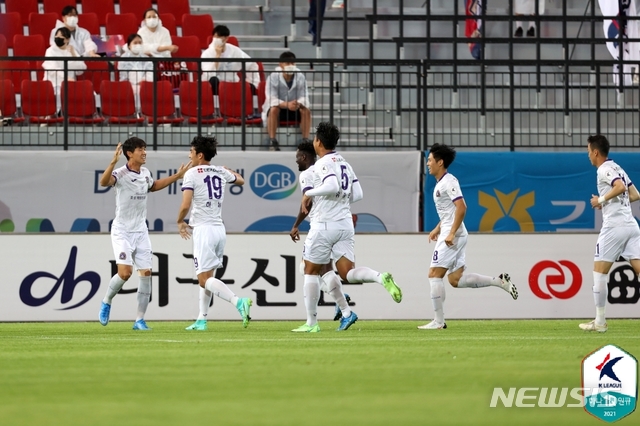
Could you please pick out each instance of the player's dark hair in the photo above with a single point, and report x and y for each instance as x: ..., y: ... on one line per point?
x: 286, y: 57
x: 206, y: 145
x: 443, y: 152
x: 64, y: 32
x: 144, y: 15
x: 68, y: 10
x: 328, y: 135
x: 599, y: 143
x: 221, y: 31
x: 132, y: 37
x: 307, y: 148
x: 131, y: 144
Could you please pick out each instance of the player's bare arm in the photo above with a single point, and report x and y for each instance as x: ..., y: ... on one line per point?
x: 617, y: 188
x: 433, y: 235
x: 107, y: 178
x: 302, y: 215
x: 164, y: 182
x: 183, y: 227
x: 461, y: 211
x: 634, y: 195
x: 239, y: 179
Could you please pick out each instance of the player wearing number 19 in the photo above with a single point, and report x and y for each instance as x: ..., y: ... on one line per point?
x: 203, y: 186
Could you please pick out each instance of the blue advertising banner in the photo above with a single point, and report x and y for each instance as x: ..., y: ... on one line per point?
x: 526, y: 192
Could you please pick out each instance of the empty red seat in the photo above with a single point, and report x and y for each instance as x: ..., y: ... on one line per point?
x: 200, y: 26
x: 17, y: 72
x: 42, y: 23
x: 28, y: 45
x: 166, y: 112
x: 177, y: 8
x: 23, y: 7
x: 117, y: 103
x: 100, y: 8
x: 231, y: 103
x: 137, y: 7
x: 56, y: 6
x: 169, y: 22
x: 81, y: 105
x: 188, y: 47
x: 8, y: 101
x: 10, y: 25
x: 122, y: 24
x: 39, y: 102
x: 96, y: 72
x: 189, y: 103
x: 90, y: 22
x: 4, y: 50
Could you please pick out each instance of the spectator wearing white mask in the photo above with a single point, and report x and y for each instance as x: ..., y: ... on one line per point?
x: 286, y: 99
x: 80, y: 38
x: 61, y: 47
x: 156, y: 38
x: 135, y: 72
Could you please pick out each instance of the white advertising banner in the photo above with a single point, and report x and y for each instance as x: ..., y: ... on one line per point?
x: 63, y: 277
x: 59, y: 191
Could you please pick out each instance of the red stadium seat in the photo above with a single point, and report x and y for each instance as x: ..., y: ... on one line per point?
x: 42, y: 23
x: 189, y: 103
x: 123, y: 24
x: 8, y: 101
x: 56, y: 6
x: 177, y: 8
x: 231, y: 40
x: 96, y: 72
x: 28, y: 45
x: 90, y: 22
x: 165, y: 103
x: 17, y: 72
x: 81, y: 105
x: 230, y: 97
x: 100, y: 8
x: 23, y: 7
x: 137, y: 7
x: 10, y: 25
x: 39, y: 102
x: 200, y: 26
x: 169, y: 22
x: 4, y: 50
x: 118, y: 103
x: 188, y: 47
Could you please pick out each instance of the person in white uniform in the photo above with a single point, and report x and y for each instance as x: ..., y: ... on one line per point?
x: 450, y: 236
x: 80, y: 38
x: 203, y: 192
x: 620, y: 234
x: 156, y: 39
x: 135, y: 72
x: 129, y: 234
x: 54, y: 68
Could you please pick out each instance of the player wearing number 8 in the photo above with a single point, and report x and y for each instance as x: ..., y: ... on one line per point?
x: 203, y: 192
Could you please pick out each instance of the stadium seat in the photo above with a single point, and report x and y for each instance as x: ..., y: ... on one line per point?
x: 188, y: 47
x: 261, y: 71
x: 10, y: 25
x: 8, y: 101
x: 231, y: 40
x: 165, y: 103
x: 23, y: 7
x: 39, y: 102
x: 100, y: 8
x: 42, y: 23
x: 123, y: 24
x: 137, y: 7
x: 96, y: 72
x: 4, y: 50
x: 17, y: 72
x: 200, y: 26
x: 56, y: 6
x: 28, y: 45
x: 177, y: 8
x: 189, y: 103
x: 117, y: 103
x: 90, y: 22
x: 169, y: 22
x: 230, y: 98
x: 81, y: 105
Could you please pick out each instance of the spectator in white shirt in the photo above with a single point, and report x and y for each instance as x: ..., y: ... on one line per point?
x: 135, y: 71
x: 156, y: 38
x: 80, y: 38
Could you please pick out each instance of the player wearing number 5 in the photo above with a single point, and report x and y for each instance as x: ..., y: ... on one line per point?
x: 203, y: 187
x: 620, y: 234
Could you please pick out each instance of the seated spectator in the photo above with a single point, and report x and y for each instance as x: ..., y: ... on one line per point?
x: 135, y: 71
x: 286, y: 99
x: 216, y: 72
x: 156, y: 38
x: 527, y: 7
x: 61, y: 47
x: 80, y: 38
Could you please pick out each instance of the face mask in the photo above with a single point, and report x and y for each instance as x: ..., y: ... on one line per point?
x: 136, y: 49
x: 59, y: 41
x: 71, y: 21
x: 217, y: 42
x: 290, y: 69
x: 152, y: 22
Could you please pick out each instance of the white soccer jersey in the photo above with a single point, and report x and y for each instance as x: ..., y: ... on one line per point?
x: 334, y: 207
x: 446, y: 191
x: 207, y: 183
x: 616, y: 211
x: 309, y: 180
x: 131, y: 190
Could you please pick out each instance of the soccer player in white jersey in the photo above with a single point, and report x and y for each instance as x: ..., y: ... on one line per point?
x: 620, y: 234
x: 331, y: 233
x: 203, y: 187
x: 451, y: 238
x: 129, y: 233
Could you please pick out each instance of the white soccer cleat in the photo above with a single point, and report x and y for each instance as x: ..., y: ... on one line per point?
x: 433, y: 325
x: 508, y: 286
x: 592, y: 326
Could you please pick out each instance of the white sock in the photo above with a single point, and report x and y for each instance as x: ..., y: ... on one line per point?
x: 437, y: 298
x: 518, y: 24
x: 220, y: 289
x: 478, y: 281
x: 532, y: 24
x: 144, y: 293
x: 335, y: 290
x: 600, y: 295
x: 204, y: 299
x: 363, y: 274
x: 115, y: 285
x: 311, y: 297
x: 323, y: 284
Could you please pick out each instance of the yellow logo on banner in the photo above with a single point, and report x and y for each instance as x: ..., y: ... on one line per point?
x: 506, y: 205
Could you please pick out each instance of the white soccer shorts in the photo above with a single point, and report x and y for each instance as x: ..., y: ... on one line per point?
x: 132, y: 248
x: 451, y: 258
x: 322, y: 245
x: 616, y: 242
x: 208, y: 247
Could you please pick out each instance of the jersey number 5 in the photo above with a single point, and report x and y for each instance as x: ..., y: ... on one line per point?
x: 344, y: 178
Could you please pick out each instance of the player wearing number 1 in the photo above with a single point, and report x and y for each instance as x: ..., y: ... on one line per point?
x: 620, y: 234
x: 203, y: 186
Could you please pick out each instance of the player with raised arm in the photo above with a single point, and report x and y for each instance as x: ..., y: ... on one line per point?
x: 203, y: 187
x: 129, y: 233
x: 620, y: 234
x: 331, y: 233
x: 451, y: 238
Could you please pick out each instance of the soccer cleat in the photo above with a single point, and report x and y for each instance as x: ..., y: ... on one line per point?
x: 200, y: 325
x: 243, y: 305
x: 433, y: 325
x: 140, y: 325
x: 304, y: 328
x: 508, y: 286
x: 105, y: 310
x: 338, y: 313
x: 392, y: 287
x: 592, y: 326
x: 347, y: 322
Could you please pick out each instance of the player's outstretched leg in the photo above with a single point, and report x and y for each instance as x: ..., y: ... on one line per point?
x: 242, y: 304
x: 338, y: 312
x: 508, y: 286
x: 115, y: 284
x: 480, y: 281
x: 362, y: 274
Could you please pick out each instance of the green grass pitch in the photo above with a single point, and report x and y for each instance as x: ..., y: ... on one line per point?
x: 376, y: 373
